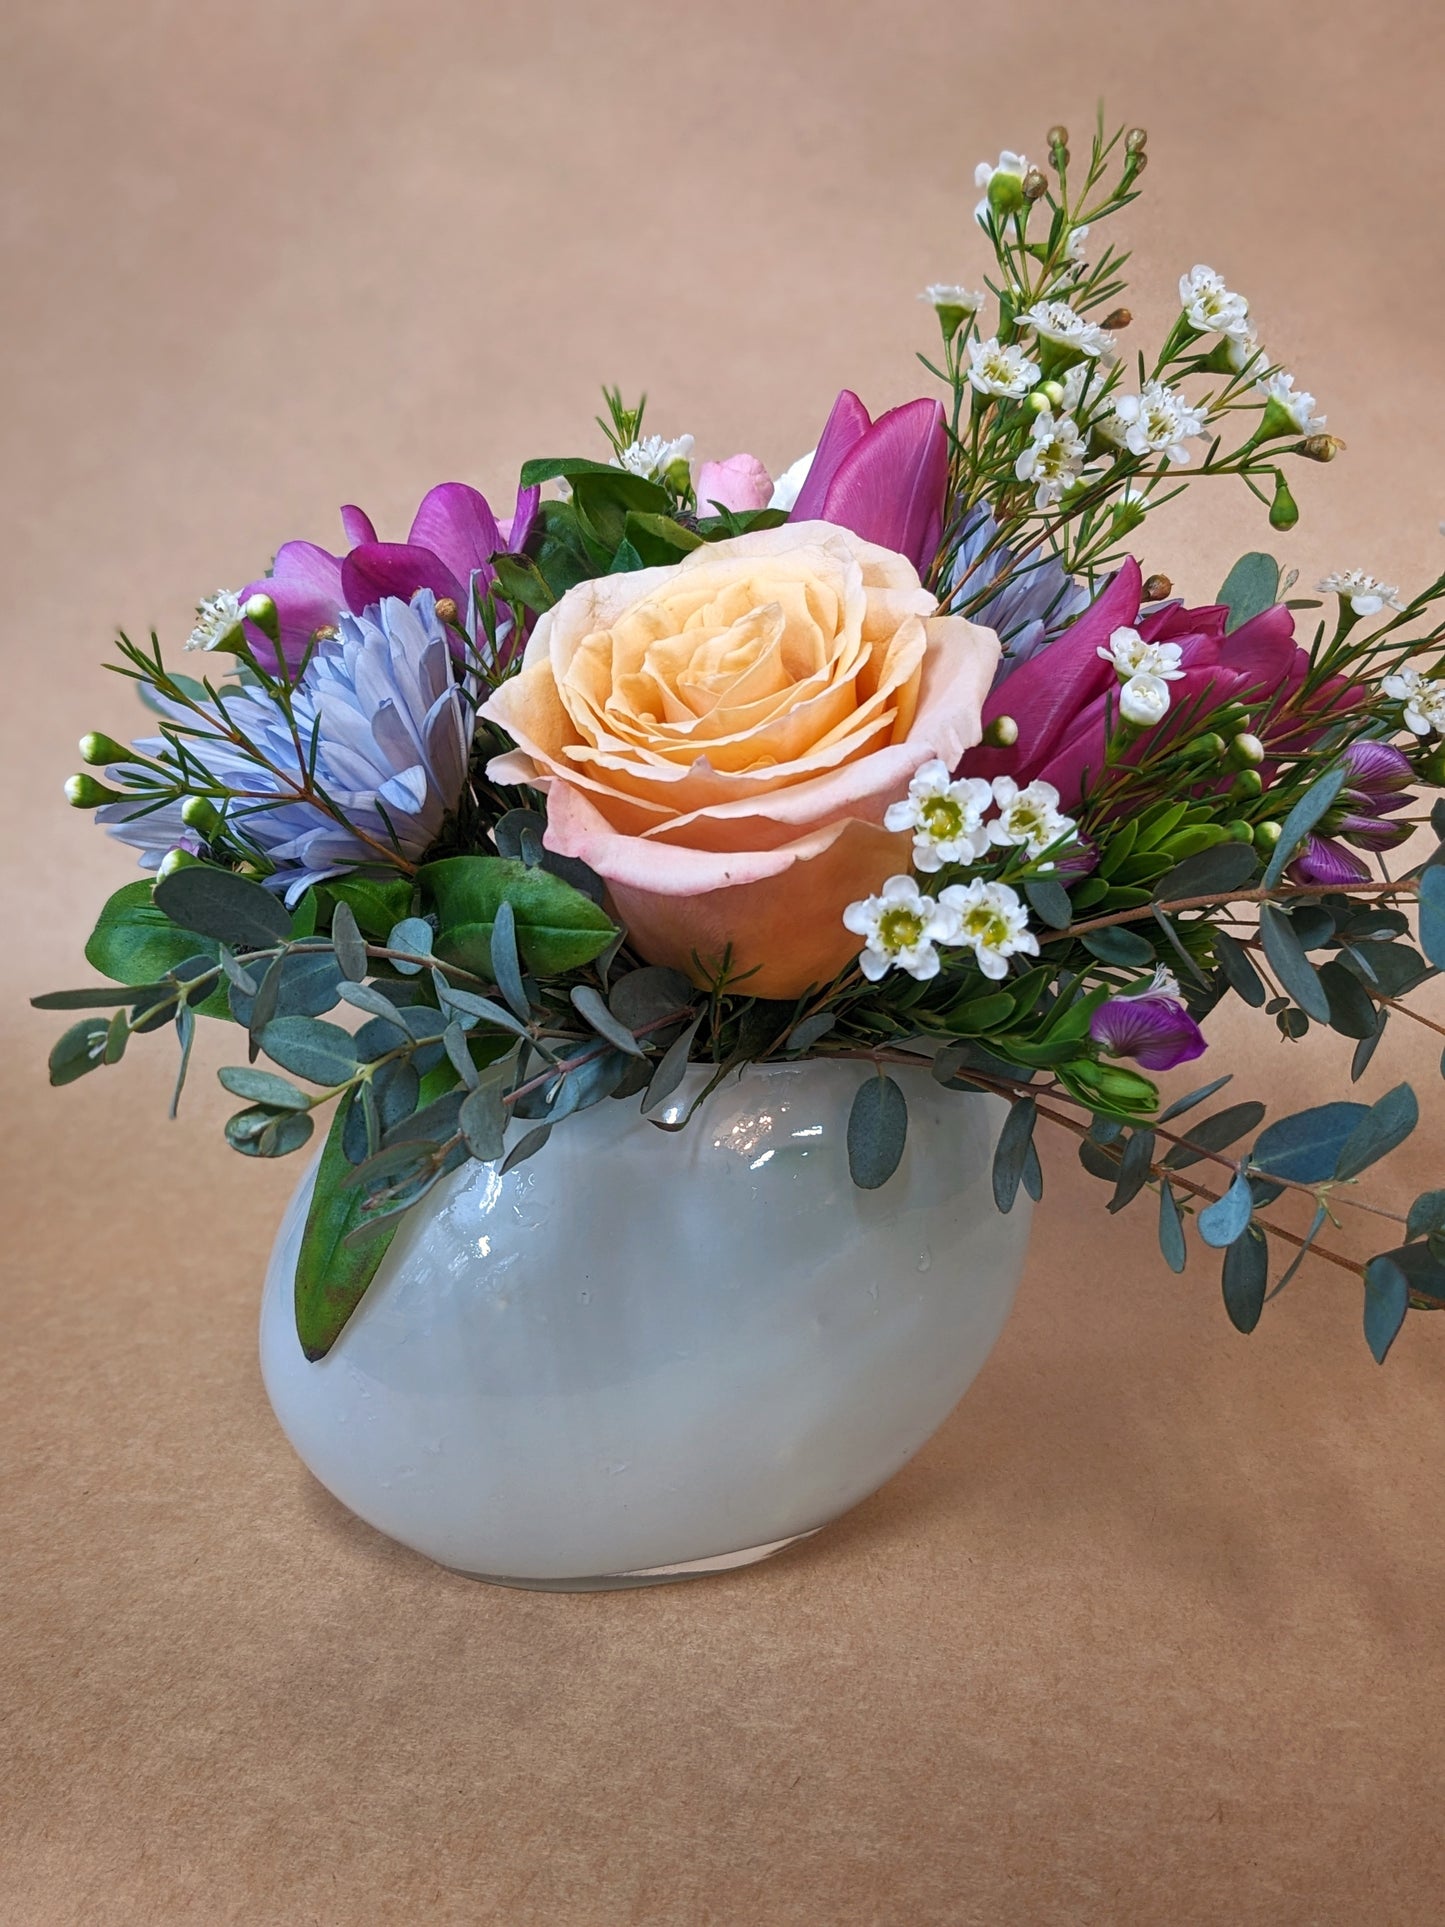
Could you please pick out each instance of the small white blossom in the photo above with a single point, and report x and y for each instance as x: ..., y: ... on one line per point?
x: 1132, y: 656
x: 1210, y: 307
x: 1029, y: 818
x: 216, y: 617
x: 991, y: 921
x: 1008, y: 163
x: 1144, y: 700
x: 998, y: 370
x: 1365, y: 595
x: 943, y: 295
x: 1054, y: 458
x: 653, y: 456
x: 1244, y: 353
x: 1158, y: 420
x: 946, y: 817
x: 1075, y: 245
x: 789, y: 484
x: 1298, y: 407
x: 900, y: 927
x: 1423, y: 697
x: 1057, y: 321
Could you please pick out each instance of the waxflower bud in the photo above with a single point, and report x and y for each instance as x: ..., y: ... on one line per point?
x: 1136, y: 140
x: 1158, y: 588
x: 261, y: 610
x: 98, y: 748
x: 678, y: 476
x: 198, y: 814
x: 1117, y: 318
x: 1320, y: 448
x: 1002, y: 733
x: 1035, y: 185
x: 83, y: 792
x: 1126, y: 517
x: 1053, y: 390
x: 1058, y: 135
x: 172, y: 861
x: 1283, y: 510
x: 1039, y: 402
x: 1246, y: 750
x: 1240, y: 831
x: 1267, y: 834
x: 1247, y: 785
x: 1005, y: 194
x: 1144, y: 701
x: 1206, y: 748
x: 446, y: 609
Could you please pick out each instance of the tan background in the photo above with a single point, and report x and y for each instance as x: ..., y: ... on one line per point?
x: 1151, y: 1632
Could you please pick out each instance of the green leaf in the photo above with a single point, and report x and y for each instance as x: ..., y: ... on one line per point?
x: 285, y: 1134
x: 802, y: 1037
x: 133, y: 942
x: 558, y: 928
x: 1296, y: 973
x: 1352, y: 1012
x: 379, y: 904
x: 1432, y: 916
x: 1134, y: 1168
x: 1171, y: 1230
x: 1228, y: 1217
x: 1251, y: 587
x: 1427, y: 1214
x: 331, y: 1276
x: 526, y: 1147
x: 1224, y: 866
x: 1012, y: 1149
x: 642, y: 996
x: 522, y: 582
x: 658, y: 539
x: 1316, y: 1225
x: 81, y: 1049
x: 1366, y: 1049
x: 223, y: 905
x: 1305, y: 1147
x: 1387, y: 1299
x: 1191, y: 1098
x: 482, y: 1121
x: 1301, y: 820
x: 320, y: 1052
x: 413, y: 935
x: 102, y: 997
x: 1239, y: 973
x: 877, y: 1132
x: 1245, y: 1276
x: 350, y: 949
x: 1215, y: 1133
x: 506, y: 964
x: 262, y: 1087
x: 588, y: 1003
x: 1119, y: 945
x: 1385, y: 1125
x: 1049, y: 901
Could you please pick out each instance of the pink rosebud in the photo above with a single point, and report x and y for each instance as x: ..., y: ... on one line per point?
x: 741, y: 484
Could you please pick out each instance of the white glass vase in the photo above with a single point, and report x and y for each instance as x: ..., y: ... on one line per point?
x: 645, y: 1354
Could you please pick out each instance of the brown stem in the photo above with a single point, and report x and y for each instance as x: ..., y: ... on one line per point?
x: 1406, y: 886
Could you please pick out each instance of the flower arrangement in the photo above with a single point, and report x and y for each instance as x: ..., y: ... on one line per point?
x: 900, y: 758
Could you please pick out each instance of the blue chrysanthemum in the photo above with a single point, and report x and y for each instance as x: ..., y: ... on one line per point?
x: 1037, y: 601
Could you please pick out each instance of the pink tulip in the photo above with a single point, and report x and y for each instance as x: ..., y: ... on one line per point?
x: 741, y: 484
x: 884, y: 480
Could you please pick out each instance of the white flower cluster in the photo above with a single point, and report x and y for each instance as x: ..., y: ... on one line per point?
x: 216, y: 617
x: 942, y: 295
x: 1423, y: 697
x: 1212, y: 308
x: 1056, y: 321
x: 1297, y: 406
x: 995, y: 369
x: 946, y: 816
x: 1159, y: 420
x: 1365, y: 595
x: 1146, y: 670
x: 902, y: 928
x: 1054, y: 458
x: 654, y: 455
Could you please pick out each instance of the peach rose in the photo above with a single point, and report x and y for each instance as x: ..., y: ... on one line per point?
x: 719, y: 741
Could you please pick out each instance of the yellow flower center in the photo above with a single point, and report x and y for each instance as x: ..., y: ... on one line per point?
x: 986, y: 927
x: 899, y: 929
x: 942, y: 818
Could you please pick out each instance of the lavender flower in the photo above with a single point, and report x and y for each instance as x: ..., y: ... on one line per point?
x: 1154, y: 1029
x: 393, y: 730
x: 1376, y: 775
x: 1036, y: 603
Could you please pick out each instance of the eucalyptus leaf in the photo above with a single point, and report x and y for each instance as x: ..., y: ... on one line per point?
x: 526, y: 1147
x: 350, y: 947
x: 413, y: 935
x: 1134, y: 1168
x: 1287, y: 959
x: 588, y: 1003
x: 1305, y: 1147
x: 81, y: 1049
x: 1432, y: 915
x: 373, y: 1000
x: 642, y: 996
x: 1222, y: 867
x: 1251, y: 587
x: 506, y: 963
x: 332, y: 1275
x: 221, y: 904
x: 877, y: 1132
x: 1239, y: 973
x: 1215, y: 1133
x: 1352, y: 1012
x: 1014, y: 1141
x: 262, y: 1087
x: 1387, y: 1299
x: 136, y: 943
x: 454, y: 1042
x: 1300, y: 821
x: 671, y: 1066
x: 1049, y: 901
x: 1427, y: 1214
x: 1118, y: 945
x: 1245, y: 1277
x: 1228, y: 1217
x: 802, y: 1037
x: 1317, y: 1223
x: 1191, y: 1098
x: 285, y: 1133
x: 1385, y: 1125
x: 482, y: 1121
x: 1171, y: 1230
x: 311, y: 1048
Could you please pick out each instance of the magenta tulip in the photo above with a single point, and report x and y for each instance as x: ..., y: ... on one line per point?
x: 884, y: 480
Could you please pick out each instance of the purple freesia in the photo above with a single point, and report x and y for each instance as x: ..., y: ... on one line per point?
x: 1375, y: 779
x: 1155, y: 1030
x: 453, y: 537
x: 884, y: 480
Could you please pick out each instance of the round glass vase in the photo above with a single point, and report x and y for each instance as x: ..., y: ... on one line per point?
x: 646, y: 1354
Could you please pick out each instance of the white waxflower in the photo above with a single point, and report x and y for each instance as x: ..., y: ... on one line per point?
x: 1210, y: 306
x: 1297, y: 407
x: 1076, y: 384
x: 1132, y: 656
x: 1008, y: 163
x: 900, y: 927
x: 1244, y: 354
x: 940, y: 294
x: 216, y: 617
x: 1076, y: 243
x: 946, y: 817
x: 788, y: 485
x: 991, y: 921
x: 1029, y: 818
x: 998, y: 370
x: 1423, y: 697
x: 1158, y: 420
x: 1365, y: 595
x: 1144, y: 701
x: 653, y: 456
x: 1057, y: 321
x: 1053, y: 459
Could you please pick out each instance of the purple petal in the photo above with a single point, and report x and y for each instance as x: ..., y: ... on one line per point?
x: 889, y: 485
x: 305, y: 584
x: 378, y: 569
x: 1156, y: 1032
x: 1373, y: 832
x: 1327, y: 862
x: 1376, y: 768
x: 458, y: 526
x: 515, y: 532
x: 848, y: 421
x: 357, y: 525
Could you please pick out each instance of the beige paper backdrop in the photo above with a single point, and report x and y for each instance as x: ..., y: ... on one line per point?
x: 1151, y: 1631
